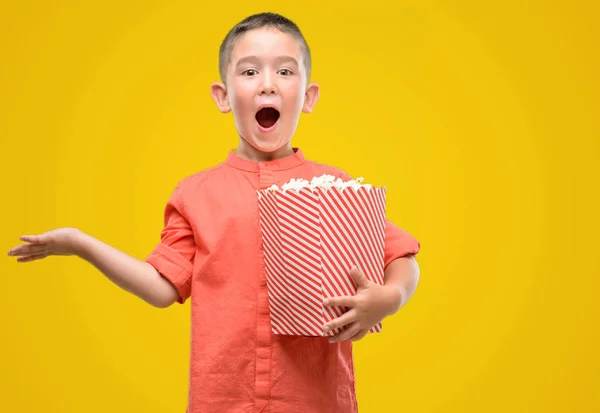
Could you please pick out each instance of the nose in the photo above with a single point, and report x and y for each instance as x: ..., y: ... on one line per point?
x: 267, y: 86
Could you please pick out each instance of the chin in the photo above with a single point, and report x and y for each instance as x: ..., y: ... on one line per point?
x: 268, y: 147
x: 266, y: 142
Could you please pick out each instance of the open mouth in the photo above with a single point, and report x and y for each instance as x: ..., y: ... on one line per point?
x: 267, y: 117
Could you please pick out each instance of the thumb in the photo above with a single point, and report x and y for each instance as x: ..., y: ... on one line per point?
x: 359, y: 278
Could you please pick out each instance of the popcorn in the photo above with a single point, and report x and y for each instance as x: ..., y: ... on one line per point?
x: 313, y: 232
x: 323, y: 181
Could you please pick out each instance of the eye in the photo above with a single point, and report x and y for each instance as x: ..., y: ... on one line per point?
x: 249, y: 72
x: 285, y: 72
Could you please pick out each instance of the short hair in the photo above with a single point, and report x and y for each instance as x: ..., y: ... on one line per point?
x: 258, y: 21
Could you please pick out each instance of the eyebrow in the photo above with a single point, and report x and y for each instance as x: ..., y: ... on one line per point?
x: 246, y: 59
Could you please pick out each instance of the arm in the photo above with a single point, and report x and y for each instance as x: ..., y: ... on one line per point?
x: 402, y: 275
x: 137, y: 277
x: 133, y: 275
x: 373, y: 302
x: 163, y: 278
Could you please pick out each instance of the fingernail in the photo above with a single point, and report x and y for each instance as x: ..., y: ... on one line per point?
x: 326, y: 301
x: 332, y: 340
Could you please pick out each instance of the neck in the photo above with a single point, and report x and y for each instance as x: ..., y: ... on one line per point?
x: 249, y: 152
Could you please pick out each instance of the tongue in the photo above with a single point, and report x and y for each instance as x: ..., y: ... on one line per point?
x: 267, y: 117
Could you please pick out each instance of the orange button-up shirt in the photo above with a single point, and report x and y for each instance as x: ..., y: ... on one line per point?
x: 211, y: 251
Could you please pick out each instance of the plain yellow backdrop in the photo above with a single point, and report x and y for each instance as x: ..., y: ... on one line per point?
x: 481, y: 118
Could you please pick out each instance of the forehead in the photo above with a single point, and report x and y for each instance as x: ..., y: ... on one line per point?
x: 266, y: 41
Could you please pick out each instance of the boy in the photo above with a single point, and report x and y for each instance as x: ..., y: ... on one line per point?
x: 210, y: 249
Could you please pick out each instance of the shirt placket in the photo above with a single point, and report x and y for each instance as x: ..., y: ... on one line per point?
x: 263, y: 333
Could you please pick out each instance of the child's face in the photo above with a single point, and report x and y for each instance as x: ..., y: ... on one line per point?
x: 266, y: 70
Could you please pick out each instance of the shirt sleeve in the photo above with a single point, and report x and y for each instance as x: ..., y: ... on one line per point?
x: 398, y: 242
x: 173, y: 256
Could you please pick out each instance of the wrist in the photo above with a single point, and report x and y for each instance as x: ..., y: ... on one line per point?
x: 78, y: 240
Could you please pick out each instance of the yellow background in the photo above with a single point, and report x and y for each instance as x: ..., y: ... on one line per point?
x: 480, y: 117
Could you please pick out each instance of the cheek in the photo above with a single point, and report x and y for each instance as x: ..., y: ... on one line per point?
x: 241, y: 101
x: 294, y: 96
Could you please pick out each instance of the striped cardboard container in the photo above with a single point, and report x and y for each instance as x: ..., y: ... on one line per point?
x: 311, y: 240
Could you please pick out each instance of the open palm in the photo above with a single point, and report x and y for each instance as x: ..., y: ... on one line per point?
x: 59, y: 241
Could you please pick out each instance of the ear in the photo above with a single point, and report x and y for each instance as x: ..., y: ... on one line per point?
x: 310, y: 97
x: 218, y: 92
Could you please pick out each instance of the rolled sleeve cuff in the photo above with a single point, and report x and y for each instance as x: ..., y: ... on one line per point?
x: 399, y: 243
x: 401, y: 249
x: 174, y: 267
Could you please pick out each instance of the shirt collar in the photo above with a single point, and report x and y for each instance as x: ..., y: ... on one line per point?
x: 280, y: 164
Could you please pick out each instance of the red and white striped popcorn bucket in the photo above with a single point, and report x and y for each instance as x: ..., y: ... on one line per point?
x: 311, y: 240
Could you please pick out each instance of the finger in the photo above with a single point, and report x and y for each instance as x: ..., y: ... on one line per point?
x: 35, y: 239
x: 28, y: 249
x: 31, y: 258
x: 361, y: 334
x: 346, y: 334
x: 343, y: 301
x: 346, y: 318
x: 20, y: 250
x: 359, y: 278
